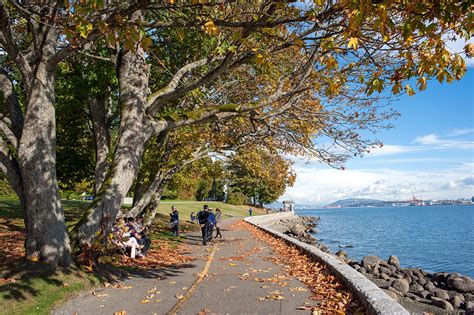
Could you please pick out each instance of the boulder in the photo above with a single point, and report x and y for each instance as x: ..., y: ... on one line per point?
x: 469, y: 305
x: 430, y: 287
x: 391, y: 294
x: 445, y: 305
x: 461, y: 284
x: 424, y: 294
x: 383, y: 263
x: 385, y: 270
x: 401, y: 285
x: 415, y: 287
x: 442, y: 294
x: 393, y: 260
x: 298, y: 230
x: 469, y: 297
x: 456, y: 301
x: 392, y: 268
x: 370, y: 262
x: 385, y: 276
x: 413, y: 296
x: 439, y: 277
x: 422, y: 281
x: 362, y: 270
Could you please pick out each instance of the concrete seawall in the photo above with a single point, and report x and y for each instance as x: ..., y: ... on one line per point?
x: 375, y: 300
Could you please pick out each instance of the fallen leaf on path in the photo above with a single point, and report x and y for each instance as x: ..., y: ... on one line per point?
x: 150, y: 296
x: 298, y: 289
x: 120, y: 313
x: 184, y: 288
x: 106, y: 284
x: 179, y: 296
x: 123, y: 287
x: 144, y: 301
x: 261, y: 299
x: 99, y: 294
x: 275, y: 297
x: 158, y: 301
x: 173, y: 282
x: 101, y: 306
x: 232, y: 264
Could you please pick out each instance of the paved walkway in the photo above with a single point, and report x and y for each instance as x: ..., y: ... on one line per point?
x: 229, y: 276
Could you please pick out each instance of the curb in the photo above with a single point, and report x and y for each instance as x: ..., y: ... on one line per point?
x: 374, y: 299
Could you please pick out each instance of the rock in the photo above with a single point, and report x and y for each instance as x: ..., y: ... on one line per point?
x: 383, y: 263
x: 422, y: 281
x: 401, y: 285
x: 469, y: 305
x: 393, y: 260
x: 469, y: 297
x: 395, y: 291
x: 439, y: 277
x: 298, y: 230
x: 430, y: 287
x: 456, y: 301
x: 445, y: 305
x: 375, y: 272
x: 461, y: 284
x: 415, y: 288
x: 392, y: 268
x: 384, y: 270
x: 441, y: 294
x: 370, y: 262
x: 342, y: 255
x: 385, y: 276
x: 362, y: 270
x: 413, y: 296
x: 391, y: 294
x: 424, y: 294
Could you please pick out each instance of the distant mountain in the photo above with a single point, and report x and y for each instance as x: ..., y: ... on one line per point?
x: 357, y: 202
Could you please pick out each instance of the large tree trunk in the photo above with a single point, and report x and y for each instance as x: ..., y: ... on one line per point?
x: 147, y: 197
x: 101, y: 134
x: 46, y: 235
x: 152, y: 209
x: 134, y: 133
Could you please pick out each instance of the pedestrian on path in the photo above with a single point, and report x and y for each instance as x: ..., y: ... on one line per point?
x: 174, y: 221
x: 250, y: 212
x: 218, y: 222
x: 211, y: 222
x: 202, y: 217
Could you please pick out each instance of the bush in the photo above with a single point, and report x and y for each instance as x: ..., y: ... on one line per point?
x: 236, y: 198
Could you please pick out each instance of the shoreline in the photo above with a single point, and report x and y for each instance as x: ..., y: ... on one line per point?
x: 415, y: 289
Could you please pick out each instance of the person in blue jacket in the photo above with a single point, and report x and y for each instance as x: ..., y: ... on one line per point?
x: 174, y: 221
x: 211, y: 222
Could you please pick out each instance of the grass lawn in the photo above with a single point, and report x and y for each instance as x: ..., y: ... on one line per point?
x: 28, y: 287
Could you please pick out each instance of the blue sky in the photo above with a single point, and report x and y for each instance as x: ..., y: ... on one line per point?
x: 429, y: 153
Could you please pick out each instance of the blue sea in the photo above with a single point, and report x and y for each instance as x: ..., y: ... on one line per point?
x: 434, y: 238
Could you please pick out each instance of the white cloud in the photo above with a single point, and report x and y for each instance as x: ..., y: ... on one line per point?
x: 436, y: 141
x: 390, y: 149
x: 460, y: 132
x: 322, y: 186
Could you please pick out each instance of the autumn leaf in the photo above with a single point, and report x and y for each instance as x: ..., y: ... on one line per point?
x: 145, y: 301
x: 353, y: 43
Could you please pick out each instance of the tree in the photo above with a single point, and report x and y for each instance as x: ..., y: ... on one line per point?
x: 260, y: 174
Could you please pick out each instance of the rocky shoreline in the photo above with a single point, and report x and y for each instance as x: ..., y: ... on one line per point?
x: 416, y: 289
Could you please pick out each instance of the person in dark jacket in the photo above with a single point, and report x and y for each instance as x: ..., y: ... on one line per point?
x: 211, y: 222
x: 202, y: 217
x: 136, y: 230
x: 174, y: 221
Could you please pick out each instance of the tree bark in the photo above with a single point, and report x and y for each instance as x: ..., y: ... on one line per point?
x: 147, y: 197
x: 135, y: 131
x: 152, y: 209
x: 101, y: 134
x: 46, y: 235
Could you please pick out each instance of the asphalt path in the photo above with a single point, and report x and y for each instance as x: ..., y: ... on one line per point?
x: 228, y: 276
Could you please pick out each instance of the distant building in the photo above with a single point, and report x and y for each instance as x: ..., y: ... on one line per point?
x: 288, y: 205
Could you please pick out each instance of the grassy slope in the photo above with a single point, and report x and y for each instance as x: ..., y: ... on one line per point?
x: 38, y: 288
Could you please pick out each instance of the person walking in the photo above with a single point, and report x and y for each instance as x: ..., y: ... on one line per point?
x: 202, y: 217
x: 211, y: 222
x: 218, y: 222
x: 174, y: 221
x: 250, y: 212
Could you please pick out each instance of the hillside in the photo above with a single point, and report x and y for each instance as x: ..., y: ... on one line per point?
x: 357, y: 202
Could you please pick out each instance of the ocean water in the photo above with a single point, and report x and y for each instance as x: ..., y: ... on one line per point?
x: 434, y: 238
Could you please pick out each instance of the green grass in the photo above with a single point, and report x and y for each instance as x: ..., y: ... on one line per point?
x: 37, y: 288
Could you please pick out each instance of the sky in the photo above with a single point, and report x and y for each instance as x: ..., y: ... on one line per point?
x: 429, y: 154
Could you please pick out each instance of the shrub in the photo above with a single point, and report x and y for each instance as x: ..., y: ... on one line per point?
x: 236, y: 198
